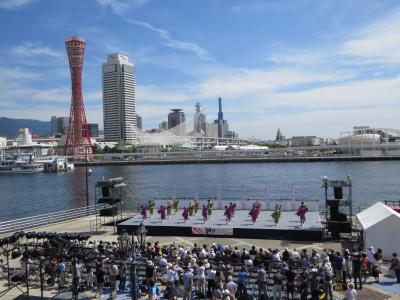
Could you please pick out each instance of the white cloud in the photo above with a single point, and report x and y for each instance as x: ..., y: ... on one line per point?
x: 376, y: 43
x: 173, y: 43
x: 159, y: 94
x: 14, y: 4
x: 29, y: 49
x: 122, y: 6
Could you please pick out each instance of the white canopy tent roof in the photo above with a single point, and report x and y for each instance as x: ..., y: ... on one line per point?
x: 381, y: 228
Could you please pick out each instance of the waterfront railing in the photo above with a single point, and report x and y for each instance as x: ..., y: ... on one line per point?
x: 49, y: 218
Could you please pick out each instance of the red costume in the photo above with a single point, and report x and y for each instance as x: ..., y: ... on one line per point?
x: 185, y: 214
x: 205, y: 213
x: 228, y: 214
x: 161, y: 211
x: 144, y: 212
x: 301, y: 212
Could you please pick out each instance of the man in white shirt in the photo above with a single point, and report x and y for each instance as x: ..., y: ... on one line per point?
x: 201, y: 278
x: 170, y: 275
x: 210, y: 280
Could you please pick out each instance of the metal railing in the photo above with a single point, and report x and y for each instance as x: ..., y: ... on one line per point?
x: 49, y: 218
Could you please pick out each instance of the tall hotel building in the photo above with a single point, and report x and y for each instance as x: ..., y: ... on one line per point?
x: 119, y: 112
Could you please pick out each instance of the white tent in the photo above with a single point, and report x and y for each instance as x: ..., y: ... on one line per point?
x: 381, y: 228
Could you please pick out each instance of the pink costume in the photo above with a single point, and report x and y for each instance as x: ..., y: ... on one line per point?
x: 205, y: 213
x: 144, y: 212
x: 301, y: 212
x: 228, y: 214
x: 185, y: 214
x: 254, y: 214
x: 233, y: 209
x: 161, y: 211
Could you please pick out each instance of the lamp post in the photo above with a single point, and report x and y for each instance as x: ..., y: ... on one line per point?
x: 141, y: 233
x: 123, y: 240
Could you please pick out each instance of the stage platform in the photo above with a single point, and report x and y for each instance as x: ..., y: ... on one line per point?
x: 241, y: 226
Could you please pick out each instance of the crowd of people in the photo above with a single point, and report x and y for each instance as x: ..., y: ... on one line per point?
x: 222, y: 272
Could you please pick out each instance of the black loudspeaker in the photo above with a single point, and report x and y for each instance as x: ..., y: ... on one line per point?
x: 105, y: 191
x: 334, y: 209
x: 108, y: 212
x: 339, y: 217
x: 337, y: 227
x: 338, y: 192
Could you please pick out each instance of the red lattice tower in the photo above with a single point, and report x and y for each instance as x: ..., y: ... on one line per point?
x: 78, y: 141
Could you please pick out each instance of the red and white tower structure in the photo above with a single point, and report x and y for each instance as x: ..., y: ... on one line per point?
x: 78, y: 141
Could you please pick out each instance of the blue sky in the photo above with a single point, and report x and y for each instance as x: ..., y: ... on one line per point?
x: 309, y: 67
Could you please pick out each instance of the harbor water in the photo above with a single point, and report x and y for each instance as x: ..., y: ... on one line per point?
x: 28, y: 195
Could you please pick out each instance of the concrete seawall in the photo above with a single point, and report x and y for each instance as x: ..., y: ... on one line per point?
x: 235, y: 160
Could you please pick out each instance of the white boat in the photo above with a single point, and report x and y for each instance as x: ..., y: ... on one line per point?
x: 20, y: 167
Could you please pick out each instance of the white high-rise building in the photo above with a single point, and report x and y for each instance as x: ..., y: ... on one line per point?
x: 119, y: 102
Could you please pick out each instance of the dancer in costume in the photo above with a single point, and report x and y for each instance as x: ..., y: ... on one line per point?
x: 205, y: 213
x: 301, y: 212
x: 191, y: 208
x: 169, y: 208
x: 276, y: 215
x: 175, y: 205
x: 210, y: 207
x: 228, y: 215
x: 253, y: 214
x: 185, y: 214
x: 144, y: 212
x: 151, y: 207
x: 233, y: 208
x: 161, y: 211
x: 196, y: 206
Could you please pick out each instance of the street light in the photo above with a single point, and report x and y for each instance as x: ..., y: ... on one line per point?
x: 87, y: 182
x: 141, y: 233
x: 123, y: 240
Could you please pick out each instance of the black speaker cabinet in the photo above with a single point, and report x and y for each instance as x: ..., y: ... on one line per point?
x: 338, y: 192
x: 108, y: 212
x: 338, y: 227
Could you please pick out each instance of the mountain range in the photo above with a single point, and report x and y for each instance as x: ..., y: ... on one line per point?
x: 9, y: 127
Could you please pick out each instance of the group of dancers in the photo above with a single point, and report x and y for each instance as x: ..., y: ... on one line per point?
x: 166, y: 211
x: 193, y: 208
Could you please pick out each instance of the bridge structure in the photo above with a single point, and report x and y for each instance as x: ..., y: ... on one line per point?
x: 184, y: 135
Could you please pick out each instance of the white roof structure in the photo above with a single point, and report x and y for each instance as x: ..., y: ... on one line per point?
x: 381, y: 228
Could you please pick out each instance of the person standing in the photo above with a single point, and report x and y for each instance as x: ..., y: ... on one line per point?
x: 395, y: 265
x: 161, y: 212
x: 278, y: 282
x: 276, y: 215
x: 301, y: 212
x: 196, y: 206
x: 242, y: 282
x: 169, y: 208
x: 99, y: 279
x: 210, y: 205
x: 290, y: 276
x: 151, y: 207
x: 175, y: 205
x: 205, y: 213
x: 122, y: 277
x: 187, y: 284
x: 191, y: 207
x: 357, y: 270
x: 185, y: 214
x: 144, y: 212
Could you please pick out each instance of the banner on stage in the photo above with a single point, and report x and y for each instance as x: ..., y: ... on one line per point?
x: 212, y: 231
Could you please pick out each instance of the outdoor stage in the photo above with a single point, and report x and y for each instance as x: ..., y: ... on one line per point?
x: 241, y: 226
